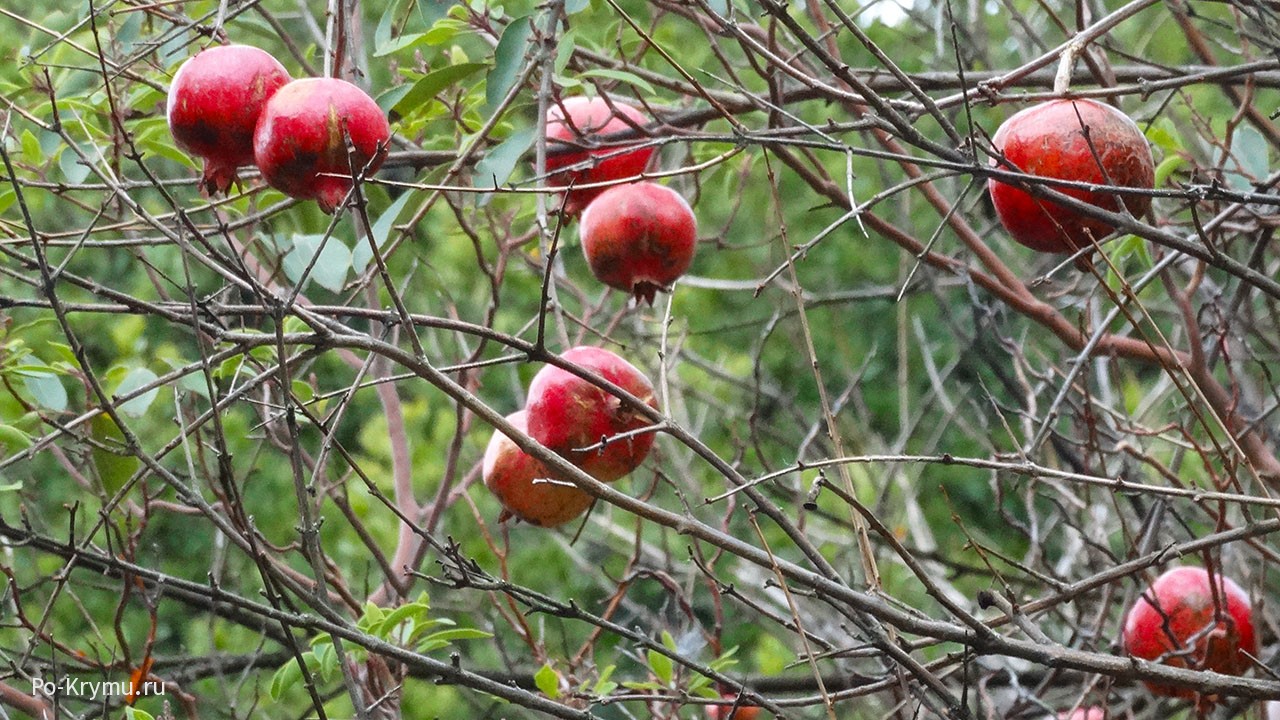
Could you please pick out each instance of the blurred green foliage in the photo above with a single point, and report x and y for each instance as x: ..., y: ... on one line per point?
x: 937, y: 372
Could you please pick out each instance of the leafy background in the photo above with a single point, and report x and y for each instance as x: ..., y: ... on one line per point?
x: 897, y: 380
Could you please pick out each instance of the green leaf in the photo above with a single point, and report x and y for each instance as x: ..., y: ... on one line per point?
x: 669, y: 642
x: 705, y: 691
x: 138, y: 377
x: 445, y: 30
x: 382, y: 34
x: 373, y: 616
x: 1130, y: 246
x: 229, y: 368
x: 330, y: 269
x: 433, y: 10
x: 166, y: 149
x: 1164, y: 134
x: 302, y: 391
x: 1250, y: 150
x: 426, y: 89
x: 390, y: 98
x: 133, y: 713
x: 725, y: 660
x: 361, y: 254
x: 632, y: 685
x: 412, y: 611
x: 114, y: 468
x: 127, y: 33
x: 326, y: 660
x: 193, y: 382
x: 31, y: 151
x: 508, y: 58
x: 564, y: 50
x: 294, y: 324
x: 45, y: 387
x: 1167, y: 167
x: 284, y: 678
x: 72, y: 168
x: 445, y: 637
x: 604, y: 685
x: 64, y: 352
x: 548, y: 681
x: 12, y: 439
x: 620, y: 76
x: 400, y: 43
x: 497, y: 165
x: 606, y: 688
x: 661, y: 666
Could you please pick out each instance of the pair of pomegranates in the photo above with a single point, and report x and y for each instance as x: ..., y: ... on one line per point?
x: 581, y: 421
x: 236, y: 105
x: 637, y: 237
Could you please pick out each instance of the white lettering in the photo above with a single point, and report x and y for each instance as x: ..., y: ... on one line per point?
x: 151, y: 687
x: 93, y: 689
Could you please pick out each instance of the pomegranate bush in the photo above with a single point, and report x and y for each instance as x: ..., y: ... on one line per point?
x: 888, y: 449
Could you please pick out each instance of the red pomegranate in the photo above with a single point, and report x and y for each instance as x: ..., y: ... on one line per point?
x: 302, y: 139
x: 728, y: 712
x: 580, y: 122
x: 1210, y: 625
x: 524, y: 486
x: 569, y: 414
x: 214, y: 103
x: 638, y: 238
x: 1078, y: 140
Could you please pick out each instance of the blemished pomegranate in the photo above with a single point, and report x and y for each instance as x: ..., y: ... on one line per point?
x: 1209, y: 625
x: 302, y: 138
x: 213, y: 107
x: 581, y: 122
x: 639, y: 238
x: 524, y: 486
x: 1077, y: 140
x: 569, y: 414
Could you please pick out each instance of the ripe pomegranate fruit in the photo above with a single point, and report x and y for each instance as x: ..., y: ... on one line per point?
x: 638, y: 238
x: 1209, y: 626
x: 520, y: 482
x: 581, y: 121
x: 568, y: 414
x: 728, y: 712
x: 301, y: 140
x: 1078, y: 140
x: 213, y: 107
